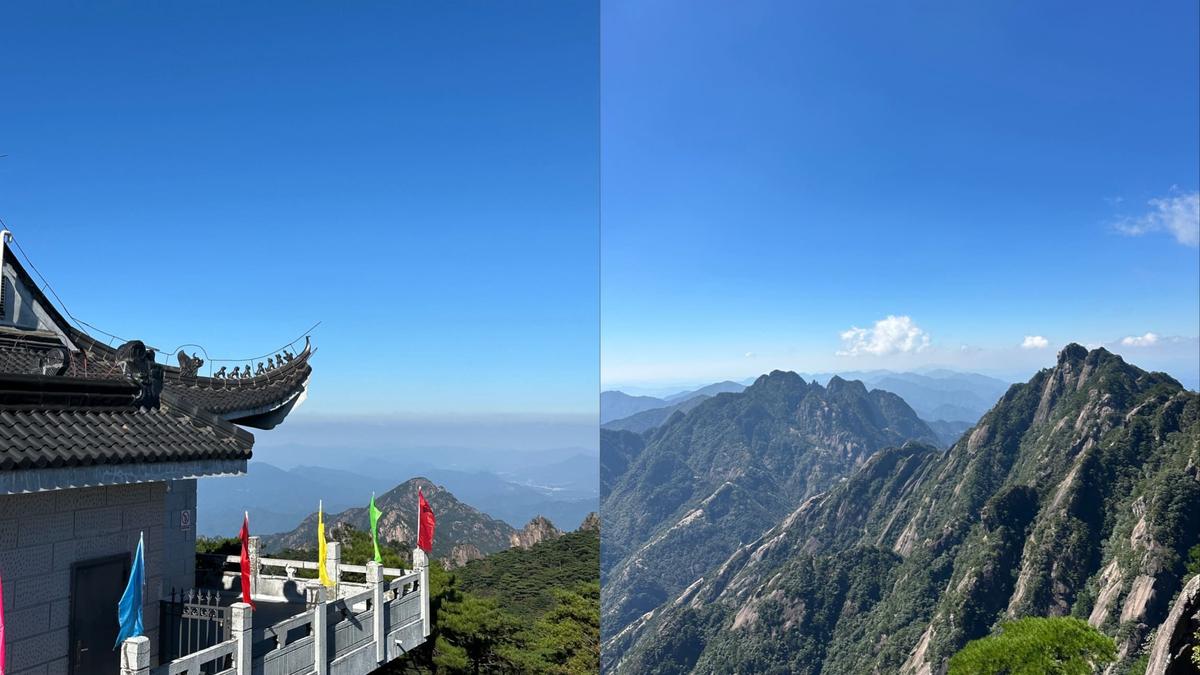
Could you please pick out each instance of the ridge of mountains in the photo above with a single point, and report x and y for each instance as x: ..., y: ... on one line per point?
x: 1077, y: 494
x: 648, y: 419
x: 950, y: 401
x: 563, y: 490
x: 463, y: 532
x: 682, y: 497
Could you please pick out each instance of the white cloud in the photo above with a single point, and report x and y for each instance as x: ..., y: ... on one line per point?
x: 895, y: 334
x: 1178, y: 215
x: 1034, y: 342
x: 1146, y: 340
x: 749, y: 355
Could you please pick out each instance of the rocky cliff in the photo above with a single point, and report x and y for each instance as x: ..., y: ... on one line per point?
x: 1077, y: 494
x: 687, y: 494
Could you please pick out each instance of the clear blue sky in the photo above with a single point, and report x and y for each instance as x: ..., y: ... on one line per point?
x: 777, y: 175
x: 420, y: 177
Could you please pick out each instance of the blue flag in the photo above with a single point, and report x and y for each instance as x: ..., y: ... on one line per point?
x: 129, y: 610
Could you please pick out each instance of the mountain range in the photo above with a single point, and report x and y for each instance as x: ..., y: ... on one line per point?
x: 563, y: 489
x: 950, y: 401
x: 463, y: 532
x: 936, y: 395
x: 1077, y: 494
x: 684, y: 496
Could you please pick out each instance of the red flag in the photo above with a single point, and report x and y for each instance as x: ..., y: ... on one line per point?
x: 246, y: 561
x: 425, y: 523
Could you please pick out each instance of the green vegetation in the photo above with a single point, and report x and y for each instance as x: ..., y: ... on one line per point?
x: 1193, y: 563
x: 1037, y: 646
x: 473, y: 634
x: 1196, y: 650
x: 357, y: 549
x: 219, y: 545
x: 531, y: 611
x: 523, y: 581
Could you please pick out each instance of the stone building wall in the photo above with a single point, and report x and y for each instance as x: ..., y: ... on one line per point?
x: 42, y: 534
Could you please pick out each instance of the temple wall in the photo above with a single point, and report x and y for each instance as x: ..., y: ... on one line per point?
x: 43, y: 533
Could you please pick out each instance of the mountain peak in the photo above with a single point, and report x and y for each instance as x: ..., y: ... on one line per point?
x: 591, y: 522
x: 458, y: 523
x: 838, y: 384
x: 538, y: 529
x: 1072, y: 353
x: 778, y: 378
x: 1075, y: 353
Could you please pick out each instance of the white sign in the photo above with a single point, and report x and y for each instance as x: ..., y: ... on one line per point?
x: 185, y: 519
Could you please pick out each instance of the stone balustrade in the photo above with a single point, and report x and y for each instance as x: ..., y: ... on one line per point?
x: 349, y: 629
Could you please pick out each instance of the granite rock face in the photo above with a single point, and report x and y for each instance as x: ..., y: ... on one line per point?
x: 537, y: 530
x: 1077, y: 494
x: 1175, y: 642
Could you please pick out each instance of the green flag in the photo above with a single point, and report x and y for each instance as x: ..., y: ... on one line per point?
x: 375, y: 528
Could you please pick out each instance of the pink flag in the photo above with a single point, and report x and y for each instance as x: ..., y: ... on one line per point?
x: 1, y: 628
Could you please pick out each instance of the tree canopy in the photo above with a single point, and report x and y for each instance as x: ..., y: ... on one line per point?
x: 1037, y: 646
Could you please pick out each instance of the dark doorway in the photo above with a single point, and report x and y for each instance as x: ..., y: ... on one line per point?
x: 96, y: 588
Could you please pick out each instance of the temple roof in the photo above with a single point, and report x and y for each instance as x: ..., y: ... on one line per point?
x: 78, y: 436
x: 69, y: 400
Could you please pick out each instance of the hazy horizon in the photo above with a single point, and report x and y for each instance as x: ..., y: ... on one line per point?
x: 314, y: 435
x: 1174, y: 356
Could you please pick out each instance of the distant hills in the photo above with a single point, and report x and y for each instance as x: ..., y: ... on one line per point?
x: 648, y: 419
x: 949, y: 400
x: 616, y: 405
x: 936, y: 395
x: 1077, y: 494
x: 458, y: 524
x: 563, y: 489
x: 684, y: 496
x: 277, y: 499
x: 463, y: 532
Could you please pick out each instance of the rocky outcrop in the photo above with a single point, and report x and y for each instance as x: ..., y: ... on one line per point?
x: 1175, y: 641
x: 461, y: 554
x: 535, y: 531
x: 591, y: 522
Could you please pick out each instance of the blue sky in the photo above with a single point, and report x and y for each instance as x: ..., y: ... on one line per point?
x: 848, y: 186
x: 421, y: 178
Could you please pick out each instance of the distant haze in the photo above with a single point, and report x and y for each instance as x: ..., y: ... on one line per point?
x: 313, y: 439
x: 1177, y: 356
x: 512, y: 467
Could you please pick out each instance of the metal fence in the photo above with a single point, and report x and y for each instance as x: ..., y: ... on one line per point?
x: 192, y: 621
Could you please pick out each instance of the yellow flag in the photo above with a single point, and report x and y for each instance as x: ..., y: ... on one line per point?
x: 321, y: 554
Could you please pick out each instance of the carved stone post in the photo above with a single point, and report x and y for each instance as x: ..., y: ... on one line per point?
x: 254, y: 548
x: 135, y: 656
x: 378, y: 586
x: 332, y: 563
x: 421, y: 566
x: 320, y: 630
x: 241, y: 627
